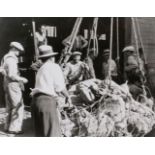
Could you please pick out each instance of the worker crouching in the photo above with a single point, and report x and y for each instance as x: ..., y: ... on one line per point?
x: 75, y: 70
x: 49, y: 83
x: 134, y: 70
x: 13, y: 84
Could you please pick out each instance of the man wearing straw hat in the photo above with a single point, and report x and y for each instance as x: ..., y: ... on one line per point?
x: 49, y: 83
x: 12, y: 88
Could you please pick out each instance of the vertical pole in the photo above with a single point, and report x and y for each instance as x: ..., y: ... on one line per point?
x: 117, y: 31
x: 35, y: 41
x: 136, y: 39
x: 111, y: 47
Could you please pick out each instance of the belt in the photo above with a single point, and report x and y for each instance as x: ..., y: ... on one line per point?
x: 39, y: 94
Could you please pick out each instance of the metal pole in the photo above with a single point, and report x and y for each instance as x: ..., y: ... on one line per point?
x: 117, y: 31
x: 35, y: 42
x: 111, y: 47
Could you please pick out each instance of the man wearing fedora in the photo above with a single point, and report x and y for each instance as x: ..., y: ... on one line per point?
x: 105, y: 65
x: 75, y: 69
x: 12, y: 88
x: 49, y: 84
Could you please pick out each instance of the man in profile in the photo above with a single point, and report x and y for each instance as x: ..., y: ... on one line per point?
x: 13, y: 84
x: 49, y: 84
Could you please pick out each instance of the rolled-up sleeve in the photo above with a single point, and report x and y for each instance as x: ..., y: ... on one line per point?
x: 59, y: 81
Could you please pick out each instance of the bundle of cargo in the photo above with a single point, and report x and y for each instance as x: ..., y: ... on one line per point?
x: 111, y: 111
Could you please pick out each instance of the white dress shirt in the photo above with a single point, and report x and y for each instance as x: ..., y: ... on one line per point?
x: 49, y: 79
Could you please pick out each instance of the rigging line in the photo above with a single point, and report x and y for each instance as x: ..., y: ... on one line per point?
x: 73, y: 35
x: 137, y: 50
x: 140, y: 39
x: 143, y: 50
x: 93, y: 36
x: 77, y: 26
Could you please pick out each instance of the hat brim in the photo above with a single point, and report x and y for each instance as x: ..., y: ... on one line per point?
x: 17, y: 48
x: 76, y: 54
x: 128, y: 50
x: 48, y: 55
x: 106, y: 53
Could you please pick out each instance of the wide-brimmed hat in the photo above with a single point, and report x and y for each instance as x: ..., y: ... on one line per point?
x: 129, y: 49
x: 17, y: 45
x: 46, y: 51
x: 76, y: 53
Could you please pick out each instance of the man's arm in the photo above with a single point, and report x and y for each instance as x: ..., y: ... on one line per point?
x: 66, y: 41
x: 84, y: 41
x: 60, y: 86
x: 13, y: 71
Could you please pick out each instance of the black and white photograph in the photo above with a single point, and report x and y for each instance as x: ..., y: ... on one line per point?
x: 77, y: 77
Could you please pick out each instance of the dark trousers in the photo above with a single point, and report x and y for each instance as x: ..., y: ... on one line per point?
x: 45, y: 116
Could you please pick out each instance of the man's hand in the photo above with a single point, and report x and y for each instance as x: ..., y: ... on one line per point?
x: 36, y: 65
x: 23, y: 80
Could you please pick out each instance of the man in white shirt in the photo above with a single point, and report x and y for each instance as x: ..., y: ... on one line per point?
x: 12, y: 88
x: 49, y: 83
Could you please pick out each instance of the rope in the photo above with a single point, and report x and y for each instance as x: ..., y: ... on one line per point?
x: 94, y: 35
x: 111, y: 47
x: 75, y: 32
x: 140, y: 39
x: 137, y: 50
x: 71, y: 41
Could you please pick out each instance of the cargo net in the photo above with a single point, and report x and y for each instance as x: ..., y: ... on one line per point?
x: 113, y: 113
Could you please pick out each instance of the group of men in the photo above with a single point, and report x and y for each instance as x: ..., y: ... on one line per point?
x: 51, y: 82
